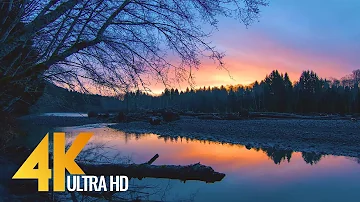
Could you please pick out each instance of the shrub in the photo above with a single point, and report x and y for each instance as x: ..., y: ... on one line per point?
x: 231, y: 116
x: 105, y: 115
x: 92, y: 114
x: 155, y: 120
x: 121, y: 117
x: 209, y: 117
x: 245, y: 113
x: 170, y: 116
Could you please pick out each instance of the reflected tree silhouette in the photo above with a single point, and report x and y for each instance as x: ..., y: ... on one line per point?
x: 356, y: 159
x: 278, y: 156
x: 311, y: 157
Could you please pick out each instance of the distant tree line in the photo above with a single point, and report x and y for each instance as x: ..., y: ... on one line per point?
x: 57, y: 99
x: 276, y: 93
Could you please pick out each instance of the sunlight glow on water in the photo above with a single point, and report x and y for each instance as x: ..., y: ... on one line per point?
x: 252, y: 174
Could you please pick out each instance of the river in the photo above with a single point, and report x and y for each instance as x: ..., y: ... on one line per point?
x: 252, y: 174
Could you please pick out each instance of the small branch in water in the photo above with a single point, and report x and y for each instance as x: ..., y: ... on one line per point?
x: 153, y: 159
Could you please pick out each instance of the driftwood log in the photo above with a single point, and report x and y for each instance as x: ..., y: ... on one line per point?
x: 190, y: 172
x: 196, y: 171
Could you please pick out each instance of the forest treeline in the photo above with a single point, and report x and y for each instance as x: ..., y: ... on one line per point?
x: 57, y: 99
x: 275, y: 93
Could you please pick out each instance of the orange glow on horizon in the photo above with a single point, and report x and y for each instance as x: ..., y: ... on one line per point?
x: 250, y: 62
x: 256, y: 59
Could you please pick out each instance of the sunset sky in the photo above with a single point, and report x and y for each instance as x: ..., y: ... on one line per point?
x: 321, y: 35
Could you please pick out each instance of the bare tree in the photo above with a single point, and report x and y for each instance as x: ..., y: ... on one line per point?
x: 356, y: 76
x: 351, y: 80
x: 115, y: 44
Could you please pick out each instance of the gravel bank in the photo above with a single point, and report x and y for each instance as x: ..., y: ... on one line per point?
x: 335, y: 137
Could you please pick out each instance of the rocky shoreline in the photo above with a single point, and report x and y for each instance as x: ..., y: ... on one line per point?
x: 334, y: 137
x: 324, y: 136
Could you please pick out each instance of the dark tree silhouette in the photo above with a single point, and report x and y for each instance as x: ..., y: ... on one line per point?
x: 309, y: 87
x: 278, y: 156
x: 116, y: 45
x: 275, y: 93
x: 311, y: 157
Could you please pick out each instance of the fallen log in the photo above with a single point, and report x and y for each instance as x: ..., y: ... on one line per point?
x: 196, y: 171
x: 146, y: 170
x: 190, y: 172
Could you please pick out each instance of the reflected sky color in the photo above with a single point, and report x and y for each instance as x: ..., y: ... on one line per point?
x: 291, y: 36
x: 248, y: 172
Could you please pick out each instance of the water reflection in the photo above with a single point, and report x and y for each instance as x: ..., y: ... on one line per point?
x: 311, y: 157
x: 252, y: 174
x: 356, y: 159
x: 184, y: 149
x: 276, y: 155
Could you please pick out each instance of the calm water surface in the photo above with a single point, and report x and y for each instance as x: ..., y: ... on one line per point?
x: 252, y: 174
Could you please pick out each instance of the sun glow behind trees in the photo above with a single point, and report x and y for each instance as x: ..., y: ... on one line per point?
x: 275, y: 93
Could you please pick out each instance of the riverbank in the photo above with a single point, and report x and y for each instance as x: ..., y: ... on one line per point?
x: 335, y: 137
x: 331, y: 136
